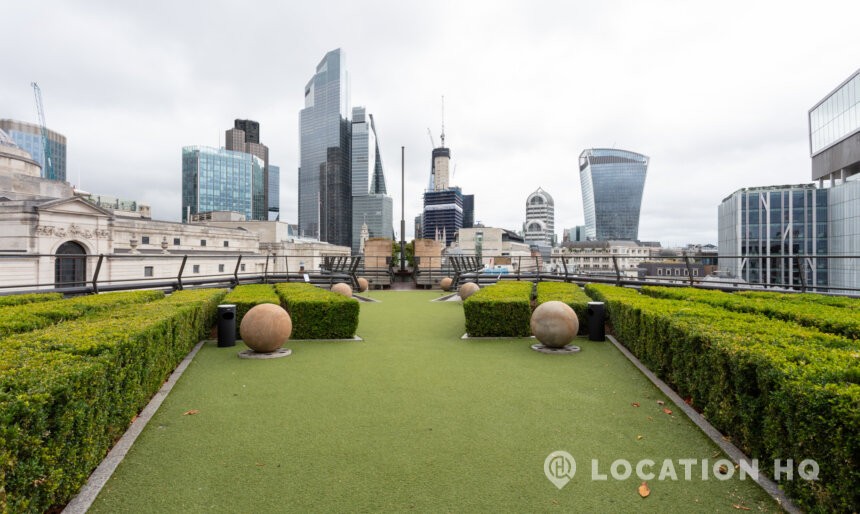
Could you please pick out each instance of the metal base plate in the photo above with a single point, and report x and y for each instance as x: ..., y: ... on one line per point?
x: 565, y: 350
x: 251, y: 354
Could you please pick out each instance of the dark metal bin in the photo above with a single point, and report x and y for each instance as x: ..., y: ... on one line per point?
x: 226, y: 325
x: 596, y: 321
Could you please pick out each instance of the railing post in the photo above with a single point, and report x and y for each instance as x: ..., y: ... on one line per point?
x: 286, y: 266
x: 564, y: 265
x: 96, y: 273
x: 266, y: 270
x: 181, y: 269
x: 236, y: 271
x: 617, y: 271
x: 800, y: 266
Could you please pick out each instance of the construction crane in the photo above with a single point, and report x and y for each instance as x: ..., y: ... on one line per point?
x: 40, y: 111
x: 430, y: 133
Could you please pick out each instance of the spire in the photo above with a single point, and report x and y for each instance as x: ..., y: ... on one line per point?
x: 443, y: 121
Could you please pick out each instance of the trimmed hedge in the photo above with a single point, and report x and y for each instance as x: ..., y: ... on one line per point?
x: 31, y: 316
x: 571, y: 294
x: 836, y: 320
x: 68, y: 391
x: 318, y: 313
x: 832, y: 301
x: 248, y: 296
x: 500, y: 310
x: 780, y: 390
x: 21, y: 299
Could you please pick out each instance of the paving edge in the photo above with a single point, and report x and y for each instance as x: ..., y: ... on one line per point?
x: 97, y: 480
x: 733, y: 452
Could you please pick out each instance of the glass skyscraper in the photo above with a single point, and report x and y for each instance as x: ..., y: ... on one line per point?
x: 370, y: 201
x: 28, y: 136
x: 274, y: 192
x: 215, y: 179
x: 443, y: 214
x: 325, y: 182
x: 612, y: 185
x: 760, y: 226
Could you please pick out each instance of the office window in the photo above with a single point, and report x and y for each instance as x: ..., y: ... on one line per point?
x: 144, y: 240
x: 196, y: 269
x: 175, y: 241
x: 220, y: 268
x: 226, y: 244
x: 202, y: 242
x: 241, y: 267
x: 147, y: 271
x: 660, y: 271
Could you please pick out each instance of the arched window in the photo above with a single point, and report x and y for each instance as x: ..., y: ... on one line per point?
x: 70, y: 266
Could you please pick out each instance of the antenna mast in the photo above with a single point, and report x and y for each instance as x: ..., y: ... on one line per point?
x: 443, y: 121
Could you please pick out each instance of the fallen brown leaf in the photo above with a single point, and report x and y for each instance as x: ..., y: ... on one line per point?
x: 644, y: 490
x: 635, y: 404
x: 723, y: 469
x: 741, y: 507
x: 667, y: 411
x: 639, y: 437
x: 190, y: 412
x: 688, y: 401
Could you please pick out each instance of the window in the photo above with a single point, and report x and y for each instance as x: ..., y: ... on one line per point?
x: 660, y: 271
x: 226, y: 244
x: 202, y: 242
x: 677, y: 272
x: 147, y: 271
x: 220, y: 268
x: 175, y: 241
x: 196, y: 269
x: 241, y: 267
x: 695, y: 273
x: 144, y: 240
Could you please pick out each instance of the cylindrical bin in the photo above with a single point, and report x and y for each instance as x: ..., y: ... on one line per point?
x: 226, y: 325
x: 596, y: 321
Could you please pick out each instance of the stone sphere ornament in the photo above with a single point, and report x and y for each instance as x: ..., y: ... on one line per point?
x: 554, y: 324
x: 343, y: 289
x: 363, y: 284
x: 266, y: 327
x: 445, y: 283
x: 468, y: 289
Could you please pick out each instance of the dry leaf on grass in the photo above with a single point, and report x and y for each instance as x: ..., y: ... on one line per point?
x: 741, y: 507
x: 667, y: 411
x: 635, y: 404
x: 723, y: 469
x: 639, y: 437
x: 644, y: 490
x: 190, y: 412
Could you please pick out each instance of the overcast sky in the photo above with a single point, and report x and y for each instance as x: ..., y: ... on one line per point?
x: 716, y: 94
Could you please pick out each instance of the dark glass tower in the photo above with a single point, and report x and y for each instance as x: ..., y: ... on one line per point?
x: 325, y: 182
x: 612, y: 184
x: 371, y: 204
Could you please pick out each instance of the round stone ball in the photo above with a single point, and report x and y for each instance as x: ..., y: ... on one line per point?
x: 554, y: 324
x: 468, y: 289
x: 363, y: 284
x: 445, y: 283
x: 343, y: 289
x: 266, y: 327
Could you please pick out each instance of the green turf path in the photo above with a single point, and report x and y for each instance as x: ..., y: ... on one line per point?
x: 413, y: 419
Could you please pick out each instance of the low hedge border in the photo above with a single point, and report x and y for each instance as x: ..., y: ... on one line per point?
x: 571, y: 294
x: 318, y: 313
x: 32, y: 316
x: 832, y: 301
x: 499, y: 310
x: 780, y: 390
x: 827, y: 318
x: 248, y: 296
x: 21, y: 299
x: 68, y: 391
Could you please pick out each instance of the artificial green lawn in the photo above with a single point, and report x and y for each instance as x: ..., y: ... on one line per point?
x: 413, y: 418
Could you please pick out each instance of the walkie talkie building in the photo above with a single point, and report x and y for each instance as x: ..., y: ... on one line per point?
x: 612, y: 184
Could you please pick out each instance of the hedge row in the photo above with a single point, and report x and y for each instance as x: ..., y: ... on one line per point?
x: 248, y: 296
x: 68, y: 391
x: 500, y: 310
x: 835, y: 320
x: 571, y: 294
x: 779, y: 390
x: 23, y: 318
x: 832, y: 301
x: 318, y: 313
x: 20, y: 299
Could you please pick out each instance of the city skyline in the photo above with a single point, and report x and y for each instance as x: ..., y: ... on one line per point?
x: 717, y: 102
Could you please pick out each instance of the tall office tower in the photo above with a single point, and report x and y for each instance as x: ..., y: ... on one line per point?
x: 441, y: 167
x: 28, y: 137
x: 245, y: 137
x: 612, y: 184
x: 325, y: 183
x: 273, y: 192
x: 443, y: 214
x: 371, y: 205
x: 759, y: 227
x: 468, y: 211
x: 215, y: 179
x: 540, y: 218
